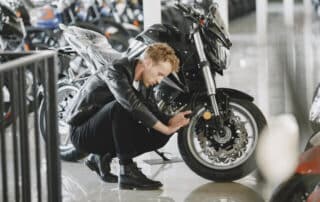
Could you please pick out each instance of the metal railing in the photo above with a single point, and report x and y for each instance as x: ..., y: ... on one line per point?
x: 26, y: 162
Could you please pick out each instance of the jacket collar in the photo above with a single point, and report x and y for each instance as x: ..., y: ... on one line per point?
x: 128, y: 66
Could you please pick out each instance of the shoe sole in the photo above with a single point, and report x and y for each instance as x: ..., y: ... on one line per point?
x: 131, y: 187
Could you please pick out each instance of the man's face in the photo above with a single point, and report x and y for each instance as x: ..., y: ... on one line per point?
x: 155, y: 72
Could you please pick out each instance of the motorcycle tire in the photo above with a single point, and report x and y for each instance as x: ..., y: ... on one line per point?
x: 313, y: 141
x: 296, y: 189
x: 315, y: 126
x: 65, y: 93
x: 221, y: 174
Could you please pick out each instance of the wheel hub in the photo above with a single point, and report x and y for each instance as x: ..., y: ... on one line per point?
x: 224, y: 136
x: 223, y: 146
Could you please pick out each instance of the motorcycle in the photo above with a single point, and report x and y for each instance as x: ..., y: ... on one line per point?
x: 12, y: 35
x: 219, y: 142
x: 225, y: 125
x: 83, y: 44
x: 304, y: 185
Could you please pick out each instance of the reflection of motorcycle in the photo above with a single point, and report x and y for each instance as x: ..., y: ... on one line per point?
x: 222, y: 135
x: 229, y: 192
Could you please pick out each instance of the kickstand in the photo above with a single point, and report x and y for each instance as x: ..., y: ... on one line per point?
x: 161, y: 154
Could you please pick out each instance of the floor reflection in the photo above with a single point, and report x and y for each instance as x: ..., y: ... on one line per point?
x: 72, y: 190
x: 223, y: 192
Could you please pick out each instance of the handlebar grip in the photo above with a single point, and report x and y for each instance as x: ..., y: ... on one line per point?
x: 182, y: 7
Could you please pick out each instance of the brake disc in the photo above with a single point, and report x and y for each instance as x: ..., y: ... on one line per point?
x: 225, y: 155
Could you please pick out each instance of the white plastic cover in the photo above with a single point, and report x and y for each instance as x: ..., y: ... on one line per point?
x: 92, y: 46
x: 314, y: 115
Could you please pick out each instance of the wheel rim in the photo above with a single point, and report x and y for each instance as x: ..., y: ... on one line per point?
x: 65, y: 95
x: 207, y: 156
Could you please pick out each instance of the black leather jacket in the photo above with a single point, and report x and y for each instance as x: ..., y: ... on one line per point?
x: 116, y: 83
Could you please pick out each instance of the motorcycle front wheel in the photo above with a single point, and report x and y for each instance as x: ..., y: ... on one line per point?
x: 224, y: 157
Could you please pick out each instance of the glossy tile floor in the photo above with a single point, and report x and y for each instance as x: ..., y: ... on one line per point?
x: 280, y: 73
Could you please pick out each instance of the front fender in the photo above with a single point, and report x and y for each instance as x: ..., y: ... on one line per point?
x: 232, y: 93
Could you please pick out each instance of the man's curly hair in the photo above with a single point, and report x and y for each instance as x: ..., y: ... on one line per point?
x: 162, y: 52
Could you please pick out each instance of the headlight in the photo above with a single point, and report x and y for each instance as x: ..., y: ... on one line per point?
x: 224, y: 56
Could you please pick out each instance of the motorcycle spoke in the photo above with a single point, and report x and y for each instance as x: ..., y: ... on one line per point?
x: 245, y: 122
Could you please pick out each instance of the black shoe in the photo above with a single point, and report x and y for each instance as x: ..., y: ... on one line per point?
x: 101, y: 165
x: 131, y: 177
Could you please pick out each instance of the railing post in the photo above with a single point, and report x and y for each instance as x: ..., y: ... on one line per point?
x: 54, y: 174
x: 24, y: 143
x: 4, y: 172
x: 16, y: 69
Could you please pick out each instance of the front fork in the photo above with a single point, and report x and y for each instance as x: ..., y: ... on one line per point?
x: 207, y: 75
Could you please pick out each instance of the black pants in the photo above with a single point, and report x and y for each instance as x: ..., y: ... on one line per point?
x: 113, y: 130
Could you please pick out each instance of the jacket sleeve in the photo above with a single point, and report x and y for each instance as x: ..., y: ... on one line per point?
x: 124, y: 93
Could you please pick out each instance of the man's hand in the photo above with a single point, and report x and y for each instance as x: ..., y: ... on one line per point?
x: 180, y: 120
x: 175, y: 123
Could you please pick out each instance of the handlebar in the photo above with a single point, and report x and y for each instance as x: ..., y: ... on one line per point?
x: 194, y: 14
x: 182, y: 7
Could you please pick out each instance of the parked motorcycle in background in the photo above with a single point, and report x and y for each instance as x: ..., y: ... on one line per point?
x: 12, y: 34
x: 304, y: 183
x: 85, y: 44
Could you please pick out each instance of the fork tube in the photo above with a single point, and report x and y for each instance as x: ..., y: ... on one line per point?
x: 207, y: 74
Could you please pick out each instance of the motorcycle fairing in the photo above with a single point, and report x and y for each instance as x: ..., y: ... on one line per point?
x: 217, y: 26
x: 309, y: 162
